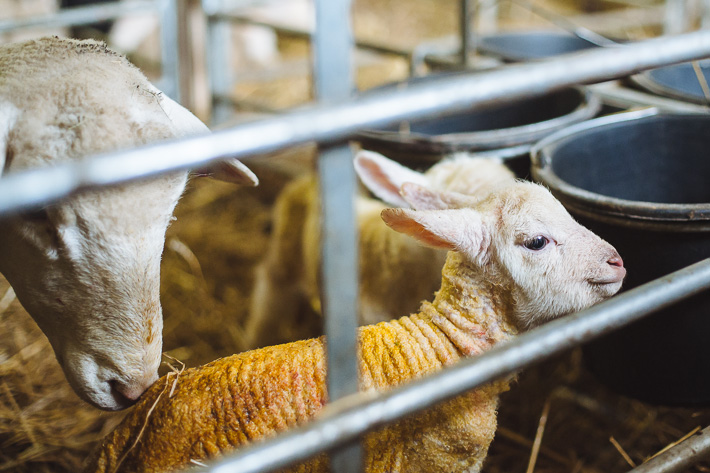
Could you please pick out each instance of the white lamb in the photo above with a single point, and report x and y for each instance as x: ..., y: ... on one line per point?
x: 87, y: 268
x: 396, y: 273
x: 516, y: 259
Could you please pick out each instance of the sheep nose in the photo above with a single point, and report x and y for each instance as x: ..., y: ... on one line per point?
x: 126, y: 394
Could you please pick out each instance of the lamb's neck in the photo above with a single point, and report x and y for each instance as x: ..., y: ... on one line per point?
x: 470, y: 310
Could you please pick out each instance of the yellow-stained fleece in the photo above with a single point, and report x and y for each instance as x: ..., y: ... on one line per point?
x: 233, y: 401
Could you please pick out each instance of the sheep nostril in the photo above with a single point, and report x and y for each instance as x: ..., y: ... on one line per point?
x: 123, y: 394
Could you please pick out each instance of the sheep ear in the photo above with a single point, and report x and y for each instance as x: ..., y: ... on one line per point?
x: 424, y: 198
x: 384, y: 177
x: 452, y: 229
x: 233, y: 171
x: 8, y: 116
x: 187, y: 124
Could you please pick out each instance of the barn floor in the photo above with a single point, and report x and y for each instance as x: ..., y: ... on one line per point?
x: 221, y: 232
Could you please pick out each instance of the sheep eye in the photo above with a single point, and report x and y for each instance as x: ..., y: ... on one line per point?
x: 536, y: 243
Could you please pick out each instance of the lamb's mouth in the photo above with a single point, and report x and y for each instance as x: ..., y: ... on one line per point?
x: 604, y: 282
x: 610, y: 279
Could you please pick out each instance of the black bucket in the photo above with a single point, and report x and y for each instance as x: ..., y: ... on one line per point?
x: 523, y: 46
x: 641, y: 180
x: 506, y: 130
x: 679, y: 81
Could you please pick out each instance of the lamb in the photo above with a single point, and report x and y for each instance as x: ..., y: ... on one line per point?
x: 516, y: 258
x: 87, y: 268
x: 396, y: 274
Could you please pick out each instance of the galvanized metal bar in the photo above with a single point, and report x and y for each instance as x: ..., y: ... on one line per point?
x: 679, y: 457
x: 354, y: 416
x: 169, y: 49
x: 328, y: 123
x: 676, y: 18
x: 219, y: 67
x: 466, y: 8
x: 79, y: 15
x: 332, y: 51
x: 332, y: 45
x: 167, y: 13
x: 299, y: 33
x: 339, y: 287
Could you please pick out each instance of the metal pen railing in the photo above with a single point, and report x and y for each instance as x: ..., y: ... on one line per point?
x: 348, y: 419
x: 331, y: 123
x: 166, y: 10
x: 327, y: 124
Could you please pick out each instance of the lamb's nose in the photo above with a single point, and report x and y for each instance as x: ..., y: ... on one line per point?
x: 616, y: 261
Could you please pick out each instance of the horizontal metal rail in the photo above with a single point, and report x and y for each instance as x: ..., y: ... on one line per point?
x: 304, y: 34
x: 167, y: 13
x: 79, y: 15
x: 679, y: 457
x: 350, y: 418
x: 331, y: 123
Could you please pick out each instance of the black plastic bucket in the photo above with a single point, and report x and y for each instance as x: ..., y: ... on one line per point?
x: 641, y: 180
x: 522, y: 46
x: 504, y: 130
x: 679, y: 81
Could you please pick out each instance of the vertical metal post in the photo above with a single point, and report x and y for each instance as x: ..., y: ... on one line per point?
x: 187, y: 54
x: 705, y: 14
x: 169, y: 48
x: 676, y: 19
x: 466, y: 31
x: 333, y: 81
x: 219, y: 64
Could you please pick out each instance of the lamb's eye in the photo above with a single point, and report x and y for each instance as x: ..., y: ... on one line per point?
x: 536, y: 243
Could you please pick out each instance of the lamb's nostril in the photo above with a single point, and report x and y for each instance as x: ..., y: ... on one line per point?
x: 616, y: 261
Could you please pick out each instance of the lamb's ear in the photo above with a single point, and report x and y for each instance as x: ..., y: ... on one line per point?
x: 8, y: 116
x: 384, y: 177
x: 424, y: 198
x: 188, y: 124
x: 452, y: 229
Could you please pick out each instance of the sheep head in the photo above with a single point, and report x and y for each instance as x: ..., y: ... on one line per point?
x: 87, y: 269
x: 521, y: 238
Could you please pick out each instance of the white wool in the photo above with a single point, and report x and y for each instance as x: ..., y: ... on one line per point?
x: 396, y: 273
x: 87, y: 268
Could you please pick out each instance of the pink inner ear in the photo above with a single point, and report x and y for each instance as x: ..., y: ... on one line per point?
x: 402, y: 222
x: 421, y: 198
x: 378, y: 176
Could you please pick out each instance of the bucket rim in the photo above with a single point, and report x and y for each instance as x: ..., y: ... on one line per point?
x: 592, y: 203
x: 488, y: 47
x: 474, y: 141
x: 646, y: 81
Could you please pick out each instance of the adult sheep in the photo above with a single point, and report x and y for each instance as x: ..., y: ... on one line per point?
x: 87, y: 268
x: 516, y: 259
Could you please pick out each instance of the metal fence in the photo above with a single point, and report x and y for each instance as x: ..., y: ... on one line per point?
x: 167, y: 13
x: 331, y: 123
